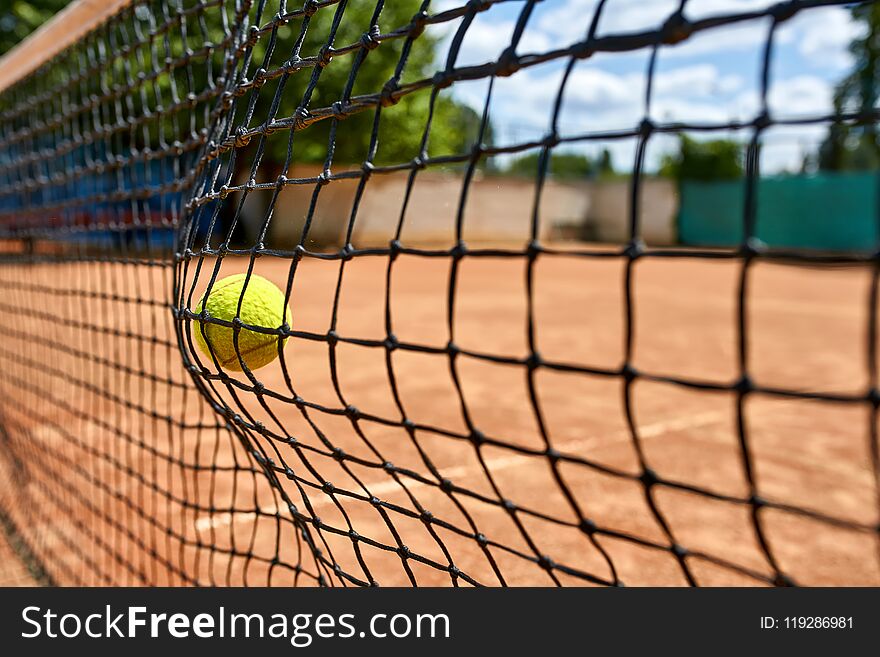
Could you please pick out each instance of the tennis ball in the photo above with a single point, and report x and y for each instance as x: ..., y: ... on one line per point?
x: 263, y: 306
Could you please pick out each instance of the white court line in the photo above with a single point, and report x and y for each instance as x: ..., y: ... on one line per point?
x: 502, y: 463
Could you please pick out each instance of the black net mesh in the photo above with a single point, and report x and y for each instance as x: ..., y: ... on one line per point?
x: 463, y: 397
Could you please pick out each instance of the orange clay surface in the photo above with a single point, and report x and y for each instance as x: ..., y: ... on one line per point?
x: 95, y: 468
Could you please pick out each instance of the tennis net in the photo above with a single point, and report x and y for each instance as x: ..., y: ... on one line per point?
x: 468, y: 394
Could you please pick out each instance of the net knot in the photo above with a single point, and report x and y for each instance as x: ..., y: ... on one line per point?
x: 301, y: 118
x: 533, y: 250
x: 340, y: 110
x: 534, y: 361
x: 763, y: 120
x: 325, y: 56
x: 441, y: 80
x: 508, y: 63
x: 370, y: 40
x: 676, y: 29
x: 253, y: 35
x: 387, y: 96
x: 417, y: 24
x: 310, y: 8
x: 293, y: 64
x: 784, y: 10
x: 242, y: 138
x: 635, y: 249
x: 744, y: 385
x: 752, y: 247
x: 783, y: 580
x: 648, y: 478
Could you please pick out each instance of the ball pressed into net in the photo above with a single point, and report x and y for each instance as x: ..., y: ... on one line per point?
x: 262, y: 305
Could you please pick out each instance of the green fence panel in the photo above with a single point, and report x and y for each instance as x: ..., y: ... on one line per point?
x: 829, y: 212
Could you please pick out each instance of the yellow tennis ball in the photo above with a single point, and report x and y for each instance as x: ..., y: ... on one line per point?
x: 263, y: 306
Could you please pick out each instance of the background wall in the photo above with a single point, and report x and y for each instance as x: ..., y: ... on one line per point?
x: 496, y: 209
x: 832, y: 211
x: 827, y: 211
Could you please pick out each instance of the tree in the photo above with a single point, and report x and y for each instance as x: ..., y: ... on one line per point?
x: 856, y: 146
x: 454, y: 128
x: 719, y: 159
x: 563, y: 166
x: 23, y: 17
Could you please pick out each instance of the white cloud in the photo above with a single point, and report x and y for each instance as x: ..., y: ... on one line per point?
x: 596, y: 99
x: 824, y: 35
x: 820, y: 35
x: 698, y: 80
x: 732, y: 40
x: 699, y: 9
x: 799, y: 96
x: 709, y: 78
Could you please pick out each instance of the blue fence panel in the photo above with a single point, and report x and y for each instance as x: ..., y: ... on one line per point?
x: 828, y: 212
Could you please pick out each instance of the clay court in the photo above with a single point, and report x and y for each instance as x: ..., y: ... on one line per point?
x: 140, y: 462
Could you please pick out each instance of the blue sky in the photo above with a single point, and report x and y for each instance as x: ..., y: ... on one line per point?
x: 712, y: 77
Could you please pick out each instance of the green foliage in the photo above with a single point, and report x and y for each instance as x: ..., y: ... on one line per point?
x: 454, y: 128
x: 856, y: 147
x: 22, y: 17
x: 563, y: 166
x: 719, y: 159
